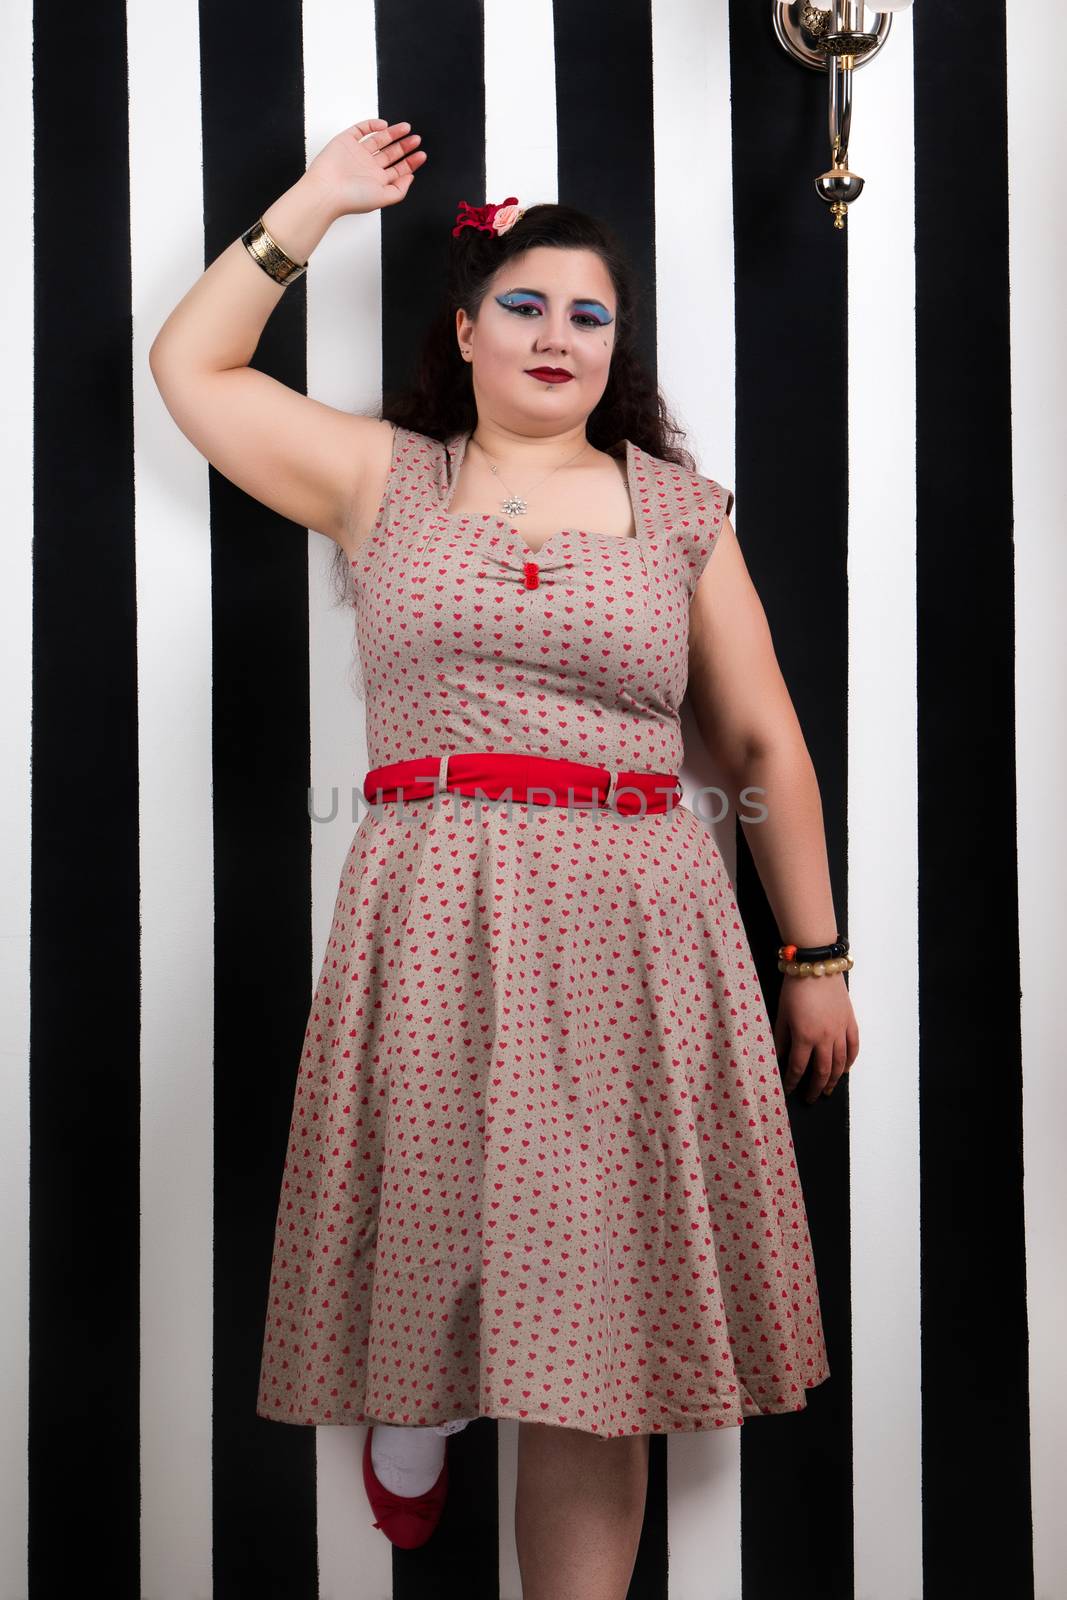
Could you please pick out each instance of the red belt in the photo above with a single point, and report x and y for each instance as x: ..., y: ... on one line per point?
x: 540, y: 780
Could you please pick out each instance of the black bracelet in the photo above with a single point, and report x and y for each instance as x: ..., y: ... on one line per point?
x: 814, y: 952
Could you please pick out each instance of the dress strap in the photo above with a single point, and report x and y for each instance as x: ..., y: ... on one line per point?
x: 682, y: 515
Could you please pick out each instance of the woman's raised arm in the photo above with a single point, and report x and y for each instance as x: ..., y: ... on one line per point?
x: 297, y: 455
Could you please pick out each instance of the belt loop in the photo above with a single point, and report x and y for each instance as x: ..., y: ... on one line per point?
x: 442, y: 771
x: 613, y: 784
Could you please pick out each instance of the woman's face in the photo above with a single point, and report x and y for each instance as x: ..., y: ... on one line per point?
x: 546, y: 308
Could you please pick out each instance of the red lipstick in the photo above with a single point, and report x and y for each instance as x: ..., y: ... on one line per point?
x: 550, y: 374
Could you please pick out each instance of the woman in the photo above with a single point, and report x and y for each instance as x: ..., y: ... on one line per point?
x: 539, y: 1165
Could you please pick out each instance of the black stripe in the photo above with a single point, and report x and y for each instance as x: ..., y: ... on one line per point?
x: 430, y: 74
x: 606, y: 162
x: 84, y: 1312
x: 604, y: 131
x: 792, y: 366
x: 264, y: 1473
x: 975, y: 1409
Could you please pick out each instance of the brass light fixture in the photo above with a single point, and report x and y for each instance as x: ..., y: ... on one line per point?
x: 829, y: 36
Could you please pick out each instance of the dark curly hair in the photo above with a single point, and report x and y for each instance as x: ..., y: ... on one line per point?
x: 440, y: 400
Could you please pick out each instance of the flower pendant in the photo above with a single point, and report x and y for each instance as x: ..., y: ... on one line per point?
x: 515, y: 506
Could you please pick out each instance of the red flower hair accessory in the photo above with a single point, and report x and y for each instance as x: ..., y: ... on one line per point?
x: 488, y: 218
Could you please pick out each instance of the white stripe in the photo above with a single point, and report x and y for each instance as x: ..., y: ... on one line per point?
x: 882, y: 913
x: 177, y: 892
x: 695, y: 331
x: 695, y: 268
x: 344, y: 370
x: 1037, y: 151
x: 16, y: 595
x: 520, y: 159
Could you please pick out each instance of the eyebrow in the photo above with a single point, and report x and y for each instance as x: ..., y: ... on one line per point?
x: 587, y: 301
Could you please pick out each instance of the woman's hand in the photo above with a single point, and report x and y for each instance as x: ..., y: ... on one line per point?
x: 816, y: 1025
x: 368, y: 166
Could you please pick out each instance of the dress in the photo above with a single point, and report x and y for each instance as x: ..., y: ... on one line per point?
x: 540, y: 1164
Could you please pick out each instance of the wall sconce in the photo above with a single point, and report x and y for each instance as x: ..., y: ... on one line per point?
x: 829, y: 36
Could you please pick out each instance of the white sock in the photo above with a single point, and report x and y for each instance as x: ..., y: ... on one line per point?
x: 407, y: 1461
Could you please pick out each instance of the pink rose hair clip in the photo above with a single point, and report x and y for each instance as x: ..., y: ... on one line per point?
x: 489, y: 218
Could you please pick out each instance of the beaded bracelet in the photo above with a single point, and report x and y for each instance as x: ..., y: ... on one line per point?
x: 815, y: 961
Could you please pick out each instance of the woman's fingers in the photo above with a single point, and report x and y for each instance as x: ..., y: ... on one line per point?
x: 393, y: 147
x: 399, y: 147
x: 401, y: 175
x: 378, y: 134
x: 360, y: 130
x: 389, y: 132
x: 823, y: 1056
x: 799, y: 1056
x: 407, y: 165
x: 815, y: 1035
x: 368, y: 164
x: 840, y: 1063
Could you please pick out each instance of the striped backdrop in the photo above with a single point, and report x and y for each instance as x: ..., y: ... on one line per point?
x: 889, y: 407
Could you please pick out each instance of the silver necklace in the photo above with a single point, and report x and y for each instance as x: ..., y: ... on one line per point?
x: 515, y: 505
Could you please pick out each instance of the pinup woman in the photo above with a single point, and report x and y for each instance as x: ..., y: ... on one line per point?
x: 540, y: 1164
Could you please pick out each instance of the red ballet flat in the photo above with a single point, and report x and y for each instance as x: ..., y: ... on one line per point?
x: 406, y: 1520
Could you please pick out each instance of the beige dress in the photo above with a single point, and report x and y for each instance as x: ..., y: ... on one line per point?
x: 540, y: 1164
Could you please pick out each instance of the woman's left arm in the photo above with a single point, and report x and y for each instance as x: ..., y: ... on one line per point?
x: 747, y: 719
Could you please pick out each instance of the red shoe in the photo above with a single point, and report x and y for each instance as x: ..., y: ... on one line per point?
x: 407, y: 1520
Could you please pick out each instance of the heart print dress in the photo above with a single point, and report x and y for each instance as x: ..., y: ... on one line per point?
x: 539, y: 1164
